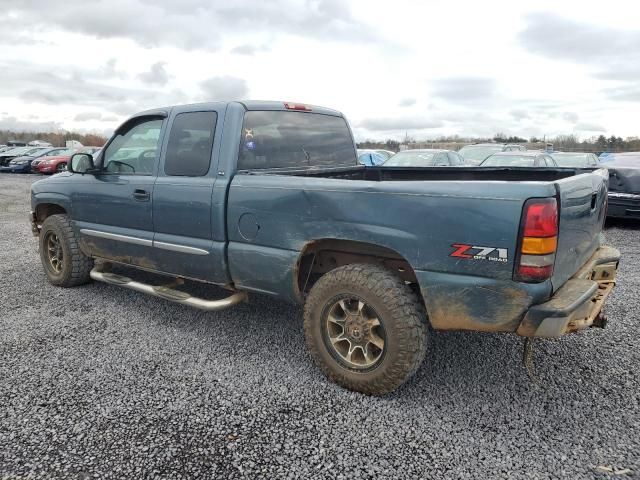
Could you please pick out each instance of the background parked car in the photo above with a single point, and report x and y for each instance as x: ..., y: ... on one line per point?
x: 425, y: 158
x: 22, y: 164
x: 58, y: 163
x: 475, y: 154
x: 6, y: 157
x: 575, y: 159
x: 519, y: 159
x: 624, y: 185
x: 56, y: 152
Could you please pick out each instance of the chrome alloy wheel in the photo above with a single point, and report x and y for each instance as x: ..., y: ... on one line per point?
x: 354, y: 334
x: 54, y: 252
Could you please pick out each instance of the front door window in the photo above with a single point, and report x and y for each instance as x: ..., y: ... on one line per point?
x: 134, y: 151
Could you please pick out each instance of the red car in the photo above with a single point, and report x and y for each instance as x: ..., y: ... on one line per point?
x: 58, y: 163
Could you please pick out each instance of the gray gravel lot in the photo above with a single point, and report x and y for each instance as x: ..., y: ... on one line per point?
x: 102, y: 382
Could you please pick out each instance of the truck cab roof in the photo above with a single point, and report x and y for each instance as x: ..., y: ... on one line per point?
x: 248, y: 105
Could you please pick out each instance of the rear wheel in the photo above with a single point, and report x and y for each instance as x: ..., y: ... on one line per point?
x: 365, y: 328
x: 63, y: 262
x: 62, y: 167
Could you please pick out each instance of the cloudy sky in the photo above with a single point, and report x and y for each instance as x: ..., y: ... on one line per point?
x: 427, y: 68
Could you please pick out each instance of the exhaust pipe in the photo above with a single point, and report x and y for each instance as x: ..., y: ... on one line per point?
x: 168, y: 293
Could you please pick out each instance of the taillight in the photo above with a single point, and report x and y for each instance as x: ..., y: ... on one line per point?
x: 539, y: 240
x: 297, y: 106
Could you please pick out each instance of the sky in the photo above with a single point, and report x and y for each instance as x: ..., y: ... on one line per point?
x: 423, y: 68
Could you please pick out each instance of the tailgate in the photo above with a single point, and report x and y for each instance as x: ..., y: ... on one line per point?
x: 582, y: 201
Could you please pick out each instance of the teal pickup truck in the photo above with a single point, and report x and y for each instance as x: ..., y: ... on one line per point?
x: 269, y: 197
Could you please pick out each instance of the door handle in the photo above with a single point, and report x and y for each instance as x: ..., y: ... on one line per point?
x: 141, y: 195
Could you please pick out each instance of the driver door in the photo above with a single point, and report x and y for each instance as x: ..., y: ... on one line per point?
x: 113, y: 208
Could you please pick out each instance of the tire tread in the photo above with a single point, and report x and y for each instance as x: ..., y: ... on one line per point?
x: 81, y: 264
x: 408, y: 315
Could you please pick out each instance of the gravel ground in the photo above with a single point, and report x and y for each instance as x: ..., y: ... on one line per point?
x: 102, y: 382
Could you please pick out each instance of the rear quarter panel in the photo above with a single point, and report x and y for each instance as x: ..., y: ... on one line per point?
x: 272, y: 217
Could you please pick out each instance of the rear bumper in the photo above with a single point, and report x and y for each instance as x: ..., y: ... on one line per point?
x: 623, y: 205
x: 578, y: 302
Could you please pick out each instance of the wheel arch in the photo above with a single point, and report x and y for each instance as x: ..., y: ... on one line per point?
x: 46, y: 209
x: 323, y: 255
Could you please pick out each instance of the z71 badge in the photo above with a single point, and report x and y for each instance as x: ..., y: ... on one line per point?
x: 474, y: 252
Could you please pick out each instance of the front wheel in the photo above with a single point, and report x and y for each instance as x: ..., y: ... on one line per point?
x: 365, y: 328
x: 63, y: 262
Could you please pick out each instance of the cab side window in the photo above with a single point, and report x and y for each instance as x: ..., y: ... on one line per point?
x: 190, y: 144
x: 134, y: 150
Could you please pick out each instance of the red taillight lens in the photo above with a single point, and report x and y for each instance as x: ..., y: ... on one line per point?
x: 297, y: 106
x: 541, y: 218
x: 538, y: 241
x: 534, y: 274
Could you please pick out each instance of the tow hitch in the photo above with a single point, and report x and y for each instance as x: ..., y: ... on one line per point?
x: 600, y: 321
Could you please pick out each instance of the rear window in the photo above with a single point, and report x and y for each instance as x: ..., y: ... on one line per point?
x: 572, y: 159
x: 508, y: 161
x: 480, y: 152
x: 411, y: 159
x: 276, y: 139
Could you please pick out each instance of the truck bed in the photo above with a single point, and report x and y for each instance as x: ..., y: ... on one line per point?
x: 379, y: 173
x: 420, y: 213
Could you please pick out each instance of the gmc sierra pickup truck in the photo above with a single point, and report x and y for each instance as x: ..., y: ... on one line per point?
x: 269, y: 197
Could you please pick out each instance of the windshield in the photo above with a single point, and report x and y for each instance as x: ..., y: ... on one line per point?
x: 572, y: 159
x: 411, y: 159
x: 509, y: 161
x: 15, y: 150
x: 479, y: 152
x: 41, y: 153
x: 60, y: 152
x: 628, y: 157
x: 32, y: 150
x: 385, y: 154
x: 625, y: 161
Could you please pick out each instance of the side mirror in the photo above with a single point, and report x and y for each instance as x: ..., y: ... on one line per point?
x: 81, y: 163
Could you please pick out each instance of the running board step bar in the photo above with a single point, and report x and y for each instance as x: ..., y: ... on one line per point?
x: 167, y: 292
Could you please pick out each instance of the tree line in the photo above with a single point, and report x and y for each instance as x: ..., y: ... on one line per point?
x: 595, y: 144
x: 57, y: 139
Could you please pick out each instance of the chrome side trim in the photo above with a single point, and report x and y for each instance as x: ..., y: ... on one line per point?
x: 180, y: 248
x: 142, y: 241
x: 115, y: 236
x: 631, y: 196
